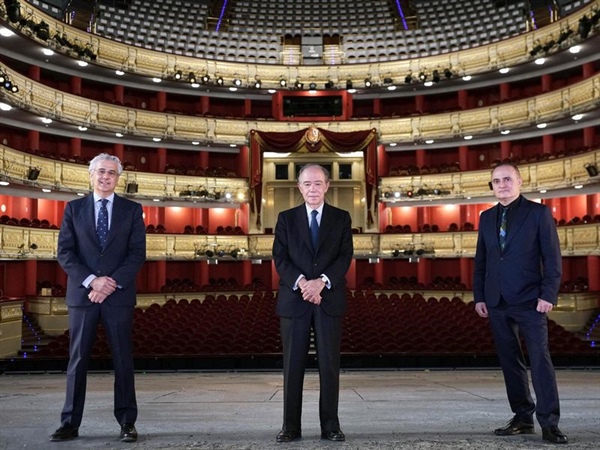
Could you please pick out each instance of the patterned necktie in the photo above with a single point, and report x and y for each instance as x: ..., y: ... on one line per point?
x: 503, y: 224
x: 314, y: 228
x: 102, y: 225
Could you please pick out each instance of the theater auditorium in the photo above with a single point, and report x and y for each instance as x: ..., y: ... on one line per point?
x: 213, y: 107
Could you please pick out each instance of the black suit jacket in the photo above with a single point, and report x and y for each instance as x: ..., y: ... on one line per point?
x: 80, y: 253
x: 293, y: 255
x: 530, y: 266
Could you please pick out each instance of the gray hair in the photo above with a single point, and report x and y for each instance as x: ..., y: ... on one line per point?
x: 508, y: 164
x: 311, y: 165
x: 106, y: 157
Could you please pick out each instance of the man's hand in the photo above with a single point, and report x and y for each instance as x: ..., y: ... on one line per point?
x: 311, y: 290
x: 481, y: 309
x: 96, y: 297
x: 104, y: 285
x: 543, y: 306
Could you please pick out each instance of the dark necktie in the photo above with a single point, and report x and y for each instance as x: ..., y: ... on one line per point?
x: 314, y: 228
x: 503, y: 225
x: 102, y: 225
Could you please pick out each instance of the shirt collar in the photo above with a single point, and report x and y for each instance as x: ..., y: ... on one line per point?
x: 319, y: 210
x: 110, y: 198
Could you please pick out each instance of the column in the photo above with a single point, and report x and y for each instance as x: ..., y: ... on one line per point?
x: 463, y: 99
x: 505, y: 150
x: 118, y: 94
x: 378, y: 272
x: 161, y: 154
x: 420, y: 103
x: 119, y: 150
x: 548, y: 143
x: 34, y: 73
x: 204, y: 159
x: 247, y: 107
x: 463, y: 157
x: 466, y: 272
x: 504, y: 91
x: 589, y: 137
x: 33, y: 139
x: 420, y: 157
x: 76, y: 85
x: 161, y: 101
x: 75, y: 146
x: 593, y: 269
x: 30, y: 277
x: 382, y: 161
x: 377, y: 107
x: 546, y: 82
x: 246, y: 272
x: 424, y: 271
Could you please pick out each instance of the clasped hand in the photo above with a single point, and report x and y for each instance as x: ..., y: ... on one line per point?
x: 102, y: 287
x: 311, y: 290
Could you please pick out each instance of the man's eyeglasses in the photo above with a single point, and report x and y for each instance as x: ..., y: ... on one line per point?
x: 110, y: 173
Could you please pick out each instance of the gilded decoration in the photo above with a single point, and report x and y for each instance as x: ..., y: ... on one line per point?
x: 11, y: 312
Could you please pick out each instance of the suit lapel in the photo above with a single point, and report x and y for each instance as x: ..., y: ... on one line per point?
x: 113, y: 221
x: 302, y: 220
x: 87, y: 216
x: 517, y: 220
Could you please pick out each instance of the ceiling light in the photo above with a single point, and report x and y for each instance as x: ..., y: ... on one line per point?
x: 156, y: 80
x: 233, y: 145
x: 119, y: 134
x: 82, y: 63
x: 575, y: 49
x: 505, y: 132
x: 540, y: 61
x: 195, y: 85
x: 46, y: 120
x: 578, y: 186
x: 429, y: 141
x: 543, y: 191
x: 80, y: 194
x: 5, y: 107
x: 195, y: 143
x: 156, y: 139
x: 46, y: 190
x: 391, y: 88
x: 272, y: 91
x: 428, y: 83
x: 233, y: 88
x: 47, y: 51
x: 119, y: 72
x: 156, y: 199
x: 542, y: 125
x: 577, y: 117
x: 5, y: 32
x: 82, y: 128
x: 504, y: 70
x: 466, y: 78
x: 468, y: 137
x: 4, y: 183
x: 393, y: 144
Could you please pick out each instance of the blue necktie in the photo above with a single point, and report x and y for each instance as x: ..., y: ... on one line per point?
x: 503, y: 226
x: 314, y: 228
x: 102, y: 225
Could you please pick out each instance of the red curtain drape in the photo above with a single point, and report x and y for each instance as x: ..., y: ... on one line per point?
x: 296, y: 141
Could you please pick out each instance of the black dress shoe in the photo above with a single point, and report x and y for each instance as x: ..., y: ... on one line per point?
x: 288, y: 436
x: 554, y: 435
x: 515, y: 426
x: 128, y: 433
x: 333, y: 435
x: 65, y: 433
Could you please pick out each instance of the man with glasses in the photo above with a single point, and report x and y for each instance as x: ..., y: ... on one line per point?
x: 101, y: 247
x: 515, y: 282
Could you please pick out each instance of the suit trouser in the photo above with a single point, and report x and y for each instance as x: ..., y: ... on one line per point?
x: 506, y: 322
x: 118, y: 326
x: 295, y: 337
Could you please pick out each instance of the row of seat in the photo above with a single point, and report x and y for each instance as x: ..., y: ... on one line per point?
x: 375, y: 324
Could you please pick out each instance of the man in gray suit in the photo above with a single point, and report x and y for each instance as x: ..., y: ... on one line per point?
x: 516, y: 281
x: 101, y: 247
x: 312, y: 252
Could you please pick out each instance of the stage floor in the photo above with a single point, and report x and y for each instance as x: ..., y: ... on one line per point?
x: 385, y: 409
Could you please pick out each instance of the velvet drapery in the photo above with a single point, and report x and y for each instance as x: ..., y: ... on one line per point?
x: 312, y: 140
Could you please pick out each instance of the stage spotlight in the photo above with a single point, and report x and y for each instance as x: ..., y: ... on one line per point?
x: 387, y: 80
x: 396, y: 253
x: 585, y: 26
x: 298, y: 84
x: 368, y: 83
x: 33, y: 173
x: 282, y: 83
x: 329, y: 84
x: 410, y: 193
x: 348, y: 84
x: 2, y: 78
x: 408, y: 79
x: 422, y: 76
x: 14, y: 89
x: 205, y: 78
x: 436, y: 76
x: 312, y: 86
x: 237, y: 82
x: 191, y: 77
x: 178, y: 75
x: 448, y: 73
x: 220, y: 81
x: 592, y: 170
x: 8, y: 85
x: 12, y: 10
x: 131, y: 188
x: 257, y: 84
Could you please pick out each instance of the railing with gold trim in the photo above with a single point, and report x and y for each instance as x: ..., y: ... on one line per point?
x: 76, y: 178
x: 550, y: 174
x: 46, y: 101
x: 142, y: 61
x: 18, y: 242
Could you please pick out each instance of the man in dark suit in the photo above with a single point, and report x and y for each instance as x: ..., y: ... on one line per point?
x: 101, y: 247
x: 516, y: 280
x: 312, y: 251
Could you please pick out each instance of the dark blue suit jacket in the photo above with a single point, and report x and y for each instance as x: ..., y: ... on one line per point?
x: 529, y: 267
x: 80, y: 253
x: 293, y: 255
